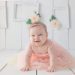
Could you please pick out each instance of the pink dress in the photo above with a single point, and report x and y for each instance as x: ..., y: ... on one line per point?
x: 41, y: 61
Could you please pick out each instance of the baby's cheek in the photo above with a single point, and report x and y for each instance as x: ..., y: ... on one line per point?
x: 31, y: 40
x: 44, y: 39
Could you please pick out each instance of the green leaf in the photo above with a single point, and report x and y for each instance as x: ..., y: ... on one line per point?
x: 52, y: 18
x: 29, y: 21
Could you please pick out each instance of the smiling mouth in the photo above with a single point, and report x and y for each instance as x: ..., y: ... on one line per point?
x: 36, y: 41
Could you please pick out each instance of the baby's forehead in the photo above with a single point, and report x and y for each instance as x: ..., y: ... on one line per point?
x: 37, y: 27
x: 37, y: 30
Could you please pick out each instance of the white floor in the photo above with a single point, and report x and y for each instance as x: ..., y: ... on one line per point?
x: 11, y: 69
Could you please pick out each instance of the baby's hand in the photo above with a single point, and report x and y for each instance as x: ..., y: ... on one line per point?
x: 51, y: 69
x: 26, y: 68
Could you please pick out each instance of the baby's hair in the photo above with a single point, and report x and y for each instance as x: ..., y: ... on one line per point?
x: 38, y: 24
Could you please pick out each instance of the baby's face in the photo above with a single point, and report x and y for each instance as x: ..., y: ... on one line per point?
x: 38, y: 35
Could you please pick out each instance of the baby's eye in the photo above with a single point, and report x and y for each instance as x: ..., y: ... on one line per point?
x: 40, y: 34
x: 33, y: 35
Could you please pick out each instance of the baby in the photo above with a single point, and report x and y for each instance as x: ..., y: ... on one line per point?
x: 42, y: 53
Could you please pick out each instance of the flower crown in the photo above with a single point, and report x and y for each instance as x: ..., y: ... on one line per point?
x: 55, y: 23
x: 33, y: 19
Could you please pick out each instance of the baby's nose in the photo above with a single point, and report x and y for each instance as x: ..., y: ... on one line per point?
x: 36, y: 37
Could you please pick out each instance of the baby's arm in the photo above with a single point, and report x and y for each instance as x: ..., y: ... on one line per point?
x: 28, y: 55
x: 51, y: 67
x: 24, y: 59
x: 27, y: 58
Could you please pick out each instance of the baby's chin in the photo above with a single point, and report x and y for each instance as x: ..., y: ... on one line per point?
x: 38, y: 44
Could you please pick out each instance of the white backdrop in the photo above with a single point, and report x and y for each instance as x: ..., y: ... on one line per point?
x: 15, y: 36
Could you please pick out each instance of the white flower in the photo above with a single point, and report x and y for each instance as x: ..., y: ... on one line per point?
x: 55, y: 24
x: 35, y: 19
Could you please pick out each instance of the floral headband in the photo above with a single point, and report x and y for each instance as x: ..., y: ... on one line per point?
x: 55, y: 23
x: 33, y: 19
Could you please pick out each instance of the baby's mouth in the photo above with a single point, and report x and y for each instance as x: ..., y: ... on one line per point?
x: 36, y: 41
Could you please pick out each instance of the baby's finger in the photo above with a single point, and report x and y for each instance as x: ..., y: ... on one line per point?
x: 52, y: 70
x: 26, y: 69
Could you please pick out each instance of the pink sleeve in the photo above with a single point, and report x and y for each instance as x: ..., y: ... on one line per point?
x: 23, y: 57
x: 62, y: 56
x: 62, y: 53
x: 58, y: 49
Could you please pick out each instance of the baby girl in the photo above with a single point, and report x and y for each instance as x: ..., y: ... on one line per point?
x: 42, y: 53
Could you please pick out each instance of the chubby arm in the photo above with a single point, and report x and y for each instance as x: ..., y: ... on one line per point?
x: 51, y: 67
x: 28, y: 54
x: 24, y: 57
x: 51, y: 60
x: 51, y: 56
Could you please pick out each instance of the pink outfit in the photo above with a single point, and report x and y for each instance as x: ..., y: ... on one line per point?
x: 41, y: 61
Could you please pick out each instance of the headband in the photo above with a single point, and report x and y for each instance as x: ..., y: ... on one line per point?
x: 33, y: 19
